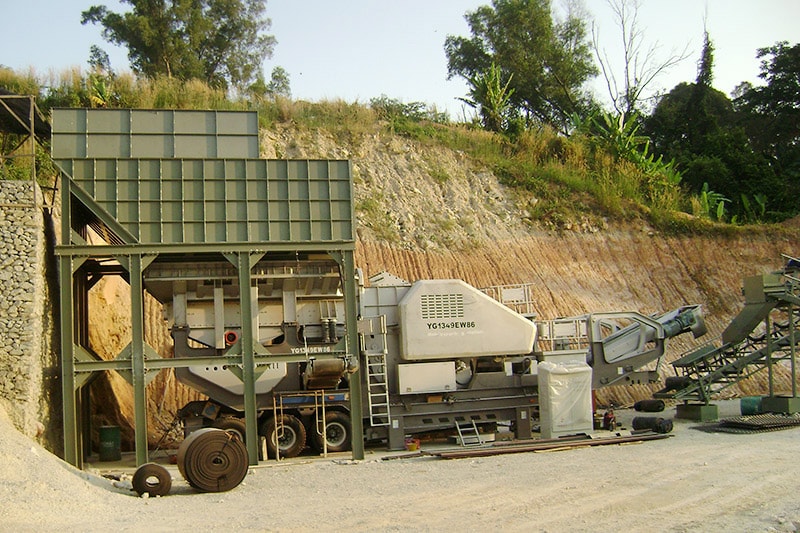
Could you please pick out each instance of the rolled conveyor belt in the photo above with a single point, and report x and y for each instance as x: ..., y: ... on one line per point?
x: 213, y: 460
x: 152, y: 479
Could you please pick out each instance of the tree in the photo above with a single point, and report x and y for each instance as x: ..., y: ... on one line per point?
x: 696, y: 125
x: 774, y: 109
x: 771, y: 116
x: 279, y: 83
x: 545, y: 62
x: 99, y: 60
x: 640, y: 66
x: 218, y: 41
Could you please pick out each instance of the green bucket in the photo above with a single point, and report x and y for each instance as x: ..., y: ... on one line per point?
x: 750, y: 405
x: 110, y: 447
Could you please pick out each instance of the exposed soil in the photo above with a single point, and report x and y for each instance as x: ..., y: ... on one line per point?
x: 427, y: 213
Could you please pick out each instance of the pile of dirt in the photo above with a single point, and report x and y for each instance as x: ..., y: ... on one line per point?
x: 36, y: 484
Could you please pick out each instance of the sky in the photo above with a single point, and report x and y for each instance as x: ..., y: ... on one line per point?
x: 356, y: 50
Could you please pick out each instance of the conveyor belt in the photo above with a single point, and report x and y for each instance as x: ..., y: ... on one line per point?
x: 757, y: 423
x: 746, y: 347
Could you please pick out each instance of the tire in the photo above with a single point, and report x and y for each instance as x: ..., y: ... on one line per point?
x: 292, y: 440
x: 152, y: 479
x: 338, y: 431
x: 229, y: 423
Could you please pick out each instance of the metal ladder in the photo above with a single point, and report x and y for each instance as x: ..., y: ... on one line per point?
x: 377, y: 383
x: 468, y: 434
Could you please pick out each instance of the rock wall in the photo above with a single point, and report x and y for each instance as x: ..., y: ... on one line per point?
x: 29, y: 386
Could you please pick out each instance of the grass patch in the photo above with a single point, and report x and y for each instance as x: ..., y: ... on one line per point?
x: 564, y: 178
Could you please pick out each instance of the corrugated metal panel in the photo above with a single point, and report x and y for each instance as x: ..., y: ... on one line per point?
x: 173, y: 201
x: 157, y: 133
x: 173, y: 177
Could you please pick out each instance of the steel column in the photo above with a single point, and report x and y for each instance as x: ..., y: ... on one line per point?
x: 137, y: 359
x: 770, y: 378
x: 793, y: 349
x: 248, y: 356
x: 351, y: 319
x: 72, y: 445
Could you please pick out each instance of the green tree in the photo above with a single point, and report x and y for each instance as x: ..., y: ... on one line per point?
x: 771, y: 113
x: 218, y: 41
x: 545, y: 62
x: 696, y: 126
x: 279, y: 84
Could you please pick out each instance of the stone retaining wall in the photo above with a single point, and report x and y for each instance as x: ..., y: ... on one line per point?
x: 29, y: 374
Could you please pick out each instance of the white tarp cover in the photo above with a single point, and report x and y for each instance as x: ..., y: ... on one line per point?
x: 565, y: 399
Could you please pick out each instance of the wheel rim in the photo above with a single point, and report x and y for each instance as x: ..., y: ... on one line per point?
x: 335, y: 434
x: 286, y: 438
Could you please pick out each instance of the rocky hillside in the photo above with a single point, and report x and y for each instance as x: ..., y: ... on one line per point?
x: 424, y: 212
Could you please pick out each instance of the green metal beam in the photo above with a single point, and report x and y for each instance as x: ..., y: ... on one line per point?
x: 72, y: 448
x: 346, y: 262
x: 244, y: 264
x: 137, y: 359
x: 89, y: 202
x: 108, y: 251
x: 793, y: 349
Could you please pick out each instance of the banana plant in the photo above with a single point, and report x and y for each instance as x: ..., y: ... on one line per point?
x: 491, y: 97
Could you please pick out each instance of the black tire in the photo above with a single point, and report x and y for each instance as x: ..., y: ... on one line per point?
x: 338, y: 432
x: 229, y: 423
x: 152, y: 479
x: 292, y: 440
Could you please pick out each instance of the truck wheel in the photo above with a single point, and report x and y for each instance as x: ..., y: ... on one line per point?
x: 337, y: 432
x: 229, y: 423
x: 289, y: 437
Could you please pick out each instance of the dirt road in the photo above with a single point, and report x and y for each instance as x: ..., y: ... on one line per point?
x: 694, y: 481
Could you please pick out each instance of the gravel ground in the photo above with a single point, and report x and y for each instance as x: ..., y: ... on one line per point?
x: 695, y: 480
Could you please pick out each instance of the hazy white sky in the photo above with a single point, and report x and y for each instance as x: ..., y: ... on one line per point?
x: 361, y: 49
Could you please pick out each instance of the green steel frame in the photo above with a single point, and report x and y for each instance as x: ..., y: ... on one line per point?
x: 740, y: 353
x: 123, y: 179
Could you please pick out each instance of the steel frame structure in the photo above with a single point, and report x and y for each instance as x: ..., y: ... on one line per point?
x: 142, y: 218
x: 23, y: 119
x: 752, y: 342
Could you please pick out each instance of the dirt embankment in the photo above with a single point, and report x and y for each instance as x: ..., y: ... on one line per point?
x: 612, y: 270
x: 426, y: 213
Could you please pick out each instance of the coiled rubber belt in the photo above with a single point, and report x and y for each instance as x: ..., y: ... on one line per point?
x: 152, y: 479
x: 213, y: 460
